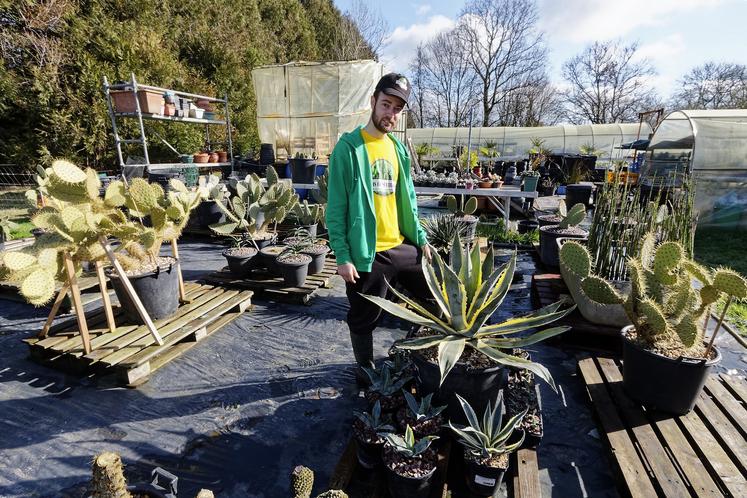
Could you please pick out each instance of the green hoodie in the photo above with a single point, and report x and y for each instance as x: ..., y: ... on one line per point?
x: 350, y: 218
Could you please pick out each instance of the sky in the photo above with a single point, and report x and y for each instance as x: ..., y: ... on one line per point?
x: 675, y: 35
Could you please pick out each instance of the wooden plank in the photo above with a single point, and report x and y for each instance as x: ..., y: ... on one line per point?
x: 107, y: 304
x: 737, y: 386
x: 734, y: 410
x: 665, y: 473
x: 527, y: 470
x: 734, y: 443
x: 183, y: 321
x: 53, y: 312
x: 634, y: 473
x: 715, y: 460
x: 79, y: 312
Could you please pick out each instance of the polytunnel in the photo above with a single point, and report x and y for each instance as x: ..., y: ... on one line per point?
x: 712, y: 144
x: 514, y: 142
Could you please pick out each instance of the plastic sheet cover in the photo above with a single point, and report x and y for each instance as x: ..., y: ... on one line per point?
x: 305, y: 107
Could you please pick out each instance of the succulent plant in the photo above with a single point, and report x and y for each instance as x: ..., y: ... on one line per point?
x: 333, y: 493
x: 408, y: 446
x: 374, y: 420
x: 108, y: 480
x: 467, y: 293
x: 461, y: 208
x: 308, y: 214
x: 488, y: 436
x: 423, y: 410
x: 302, y: 481
x: 6, y: 227
x: 663, y: 305
x: 320, y: 195
x: 576, y: 258
x: 384, y: 382
x: 571, y: 217
x: 441, y: 230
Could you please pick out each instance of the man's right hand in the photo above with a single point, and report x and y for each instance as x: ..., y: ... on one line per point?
x: 348, y: 272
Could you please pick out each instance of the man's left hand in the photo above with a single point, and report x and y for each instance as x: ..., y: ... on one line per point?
x: 426, y: 252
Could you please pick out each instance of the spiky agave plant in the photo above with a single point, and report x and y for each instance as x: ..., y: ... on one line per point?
x: 467, y: 293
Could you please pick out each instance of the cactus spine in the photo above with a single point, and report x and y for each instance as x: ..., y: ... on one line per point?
x: 108, y: 479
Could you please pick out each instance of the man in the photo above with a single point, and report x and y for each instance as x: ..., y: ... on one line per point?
x: 372, y: 215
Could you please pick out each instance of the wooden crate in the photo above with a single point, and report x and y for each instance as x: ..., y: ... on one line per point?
x: 548, y: 288
x: 703, y: 453
x: 349, y: 476
x: 131, y: 351
x: 268, y: 286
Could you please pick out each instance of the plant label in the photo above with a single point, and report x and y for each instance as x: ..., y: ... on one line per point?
x: 484, y: 481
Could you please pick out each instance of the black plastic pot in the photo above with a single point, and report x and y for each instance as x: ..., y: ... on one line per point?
x: 478, y: 387
x: 549, y: 246
x: 526, y: 226
x: 548, y: 219
x: 470, y: 227
x: 269, y: 260
x: 409, y: 487
x: 576, y: 193
x: 294, y: 273
x: 663, y: 383
x: 206, y: 214
x: 240, y: 266
x: 317, y: 262
x: 262, y: 243
x: 481, y: 479
x: 303, y: 170
x: 266, y: 154
x: 369, y: 454
x: 163, y: 177
x: 310, y: 228
x: 158, y: 291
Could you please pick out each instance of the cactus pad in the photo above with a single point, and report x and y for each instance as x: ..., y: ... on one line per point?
x: 17, y: 260
x: 731, y: 283
x: 576, y: 258
x: 470, y: 206
x: 451, y: 203
x: 333, y: 493
x: 709, y: 294
x: 575, y: 216
x: 115, y: 194
x: 600, y: 290
x: 67, y: 172
x: 141, y: 196
x: 687, y: 331
x: 655, y: 321
x: 38, y: 287
x: 667, y: 258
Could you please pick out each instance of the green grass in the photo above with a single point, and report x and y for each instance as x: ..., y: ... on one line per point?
x: 23, y: 230
x: 714, y: 248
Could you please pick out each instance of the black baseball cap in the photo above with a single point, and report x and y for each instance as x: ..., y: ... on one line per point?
x: 394, y: 84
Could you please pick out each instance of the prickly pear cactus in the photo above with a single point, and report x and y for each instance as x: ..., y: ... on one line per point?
x: 461, y: 208
x: 576, y: 257
x: 302, y: 481
x: 575, y: 216
x: 333, y: 493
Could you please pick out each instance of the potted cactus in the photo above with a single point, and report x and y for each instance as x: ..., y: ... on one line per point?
x: 293, y: 264
x: 424, y: 417
x: 568, y: 228
x: 410, y: 464
x: 665, y: 359
x: 486, y: 445
x: 308, y: 216
x: 318, y: 253
x: 590, y: 292
x: 463, y: 211
x: 441, y: 229
x: 459, y: 351
x: 369, y: 430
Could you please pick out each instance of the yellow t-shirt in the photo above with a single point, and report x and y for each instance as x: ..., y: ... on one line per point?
x: 384, y: 173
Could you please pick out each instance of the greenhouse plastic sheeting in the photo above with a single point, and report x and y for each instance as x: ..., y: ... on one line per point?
x: 305, y: 107
x: 713, y: 145
x: 515, y: 142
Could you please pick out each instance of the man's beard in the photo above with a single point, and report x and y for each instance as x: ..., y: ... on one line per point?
x: 377, y: 122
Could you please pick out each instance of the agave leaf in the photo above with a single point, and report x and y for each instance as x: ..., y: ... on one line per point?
x: 456, y: 297
x: 411, y: 402
x: 402, y: 312
x: 420, y: 342
x: 510, y: 448
x: 469, y: 413
x: 489, y: 263
x: 537, y: 318
x: 474, y: 279
x: 505, y: 433
x: 488, y: 415
x: 423, y: 311
x: 466, y: 436
x: 449, y: 352
x: 434, y: 282
x: 485, y: 289
x: 521, y: 342
x: 514, y: 361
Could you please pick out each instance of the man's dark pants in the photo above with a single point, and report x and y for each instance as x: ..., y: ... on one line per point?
x: 399, y: 265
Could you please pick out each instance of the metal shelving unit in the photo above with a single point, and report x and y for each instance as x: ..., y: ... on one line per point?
x: 135, y: 87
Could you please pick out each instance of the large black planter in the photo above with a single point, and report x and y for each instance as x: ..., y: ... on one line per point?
x: 481, y: 479
x: 409, y: 487
x: 549, y: 219
x: 206, y: 214
x: 240, y: 265
x: 663, y: 383
x: 317, y: 260
x: 576, y: 193
x: 526, y: 226
x: 548, y: 242
x: 158, y: 291
x: 294, y: 273
x: 303, y: 170
x: 369, y: 454
x: 478, y: 387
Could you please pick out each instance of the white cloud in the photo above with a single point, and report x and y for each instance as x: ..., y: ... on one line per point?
x: 422, y: 8
x: 590, y: 20
x: 402, y: 43
x: 662, y: 50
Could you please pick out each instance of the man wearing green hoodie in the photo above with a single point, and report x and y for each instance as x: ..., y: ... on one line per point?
x: 372, y: 214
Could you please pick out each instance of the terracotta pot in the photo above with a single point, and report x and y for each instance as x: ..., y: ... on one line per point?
x: 222, y: 156
x: 497, y: 184
x: 213, y: 157
x: 201, y: 157
x: 486, y: 184
x: 169, y: 110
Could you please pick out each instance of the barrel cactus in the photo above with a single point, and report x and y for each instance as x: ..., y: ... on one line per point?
x: 302, y: 481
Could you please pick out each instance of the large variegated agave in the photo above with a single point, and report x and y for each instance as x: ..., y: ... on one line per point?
x: 468, y: 293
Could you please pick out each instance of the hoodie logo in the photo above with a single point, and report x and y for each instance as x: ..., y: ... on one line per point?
x: 382, y: 173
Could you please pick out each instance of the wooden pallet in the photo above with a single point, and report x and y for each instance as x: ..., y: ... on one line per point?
x: 359, y: 482
x: 16, y: 244
x: 268, y: 286
x: 131, y: 351
x: 548, y: 288
x: 703, y: 453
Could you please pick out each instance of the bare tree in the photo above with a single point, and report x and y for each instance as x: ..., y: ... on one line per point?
x: 362, y: 34
x: 538, y: 103
x: 713, y: 86
x: 607, y: 84
x: 503, y: 48
x: 419, y: 87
